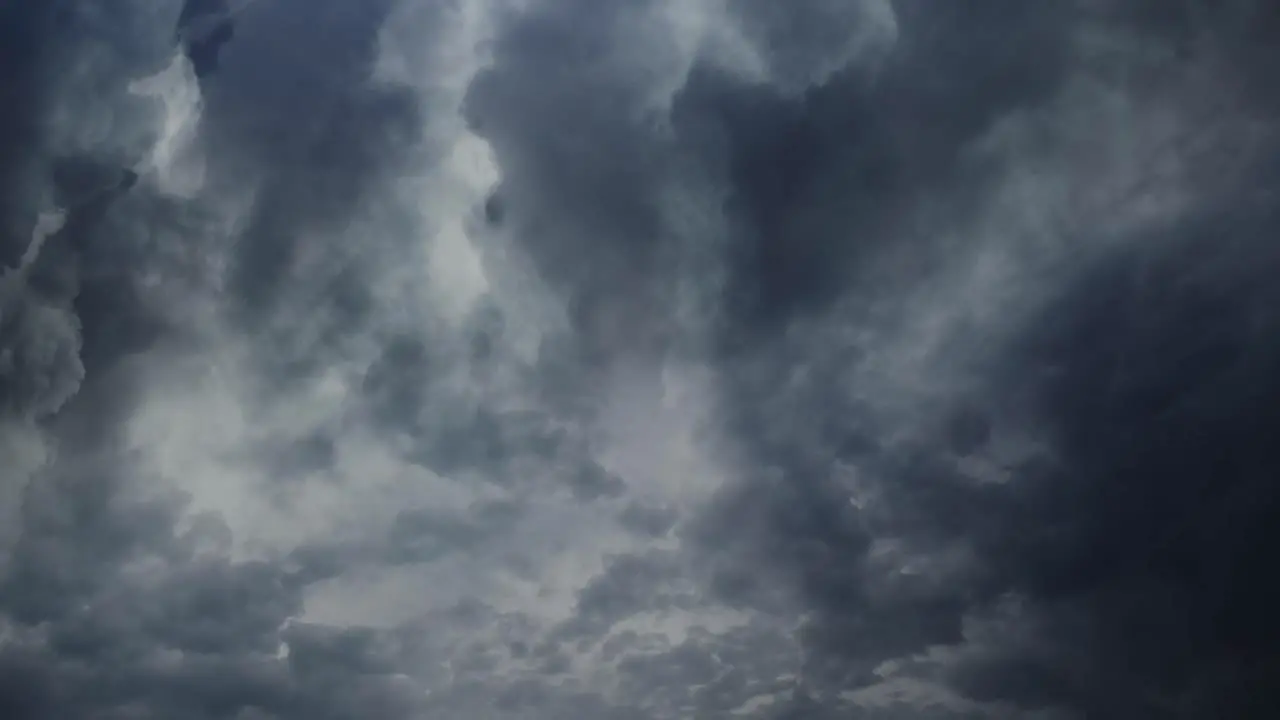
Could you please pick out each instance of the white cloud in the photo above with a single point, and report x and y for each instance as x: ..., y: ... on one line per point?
x: 176, y: 161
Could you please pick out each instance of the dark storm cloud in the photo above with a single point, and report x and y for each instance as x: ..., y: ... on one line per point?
x: 59, y: 170
x: 22, y: 25
x: 204, y: 27
x: 997, y: 444
x: 628, y: 585
x: 114, y: 609
x: 114, y: 604
x: 650, y: 520
x: 1135, y: 545
x: 555, y: 97
x: 40, y: 364
x: 822, y: 179
x: 302, y: 121
x: 1151, y: 538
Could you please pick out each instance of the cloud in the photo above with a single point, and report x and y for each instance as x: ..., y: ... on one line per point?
x: 40, y: 363
x: 655, y: 359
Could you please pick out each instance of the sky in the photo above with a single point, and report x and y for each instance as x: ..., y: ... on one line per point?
x: 639, y: 359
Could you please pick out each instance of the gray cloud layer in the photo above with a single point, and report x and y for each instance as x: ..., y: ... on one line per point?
x: 638, y: 360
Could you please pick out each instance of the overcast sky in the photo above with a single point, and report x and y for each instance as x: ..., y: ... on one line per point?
x: 639, y: 359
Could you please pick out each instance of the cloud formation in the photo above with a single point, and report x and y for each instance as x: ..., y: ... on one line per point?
x: 638, y: 360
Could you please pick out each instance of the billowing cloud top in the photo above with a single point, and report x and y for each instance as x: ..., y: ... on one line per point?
x: 639, y: 360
